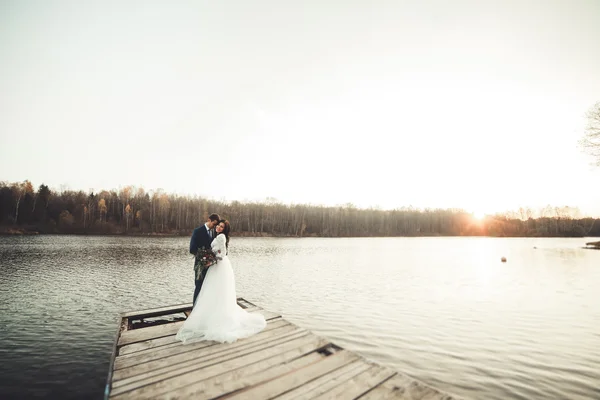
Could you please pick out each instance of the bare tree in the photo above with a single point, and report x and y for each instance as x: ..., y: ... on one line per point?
x: 19, y: 190
x: 591, y: 139
x: 164, y: 205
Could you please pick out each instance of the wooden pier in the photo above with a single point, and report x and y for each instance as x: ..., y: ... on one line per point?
x: 283, y: 361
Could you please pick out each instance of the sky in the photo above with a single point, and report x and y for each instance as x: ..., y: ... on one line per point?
x: 469, y: 104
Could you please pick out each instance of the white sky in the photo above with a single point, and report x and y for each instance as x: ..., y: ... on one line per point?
x: 473, y: 104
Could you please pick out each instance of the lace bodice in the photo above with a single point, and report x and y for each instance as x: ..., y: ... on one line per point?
x: 219, y: 247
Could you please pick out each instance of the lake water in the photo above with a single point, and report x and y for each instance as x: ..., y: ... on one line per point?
x: 442, y: 310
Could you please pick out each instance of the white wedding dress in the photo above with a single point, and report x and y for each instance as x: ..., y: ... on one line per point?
x: 216, y: 314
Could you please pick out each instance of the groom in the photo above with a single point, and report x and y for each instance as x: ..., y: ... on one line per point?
x: 202, y: 237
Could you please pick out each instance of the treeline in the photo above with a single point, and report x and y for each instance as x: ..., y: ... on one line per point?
x: 134, y: 211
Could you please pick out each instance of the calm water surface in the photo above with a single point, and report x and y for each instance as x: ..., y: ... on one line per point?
x: 443, y: 310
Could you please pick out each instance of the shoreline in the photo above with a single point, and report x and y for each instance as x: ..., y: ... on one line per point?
x: 26, y: 232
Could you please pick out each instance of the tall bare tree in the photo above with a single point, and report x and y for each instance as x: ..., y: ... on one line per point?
x: 591, y: 139
x: 19, y: 190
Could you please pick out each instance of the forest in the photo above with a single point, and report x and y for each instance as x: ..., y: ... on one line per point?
x: 135, y: 211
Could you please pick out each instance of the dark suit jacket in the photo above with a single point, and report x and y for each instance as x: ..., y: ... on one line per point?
x: 200, y: 238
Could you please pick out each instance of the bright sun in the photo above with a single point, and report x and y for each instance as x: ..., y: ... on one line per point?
x: 478, y: 215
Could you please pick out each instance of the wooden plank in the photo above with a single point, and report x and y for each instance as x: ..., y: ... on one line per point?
x: 282, y: 384
x: 224, y: 351
x: 245, y: 303
x: 161, y: 344
x: 400, y: 390
x: 152, y: 382
x: 250, y: 375
x: 120, y: 326
x: 161, y: 340
x: 149, y: 345
x: 404, y: 387
x: 153, y: 332
x: 327, y: 382
x: 124, y: 362
x: 167, y: 342
x: 233, y: 374
x: 155, y: 312
x: 359, y: 384
x: 158, y: 330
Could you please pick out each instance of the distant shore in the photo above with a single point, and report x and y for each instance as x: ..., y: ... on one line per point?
x: 5, y: 231
x: 15, y: 231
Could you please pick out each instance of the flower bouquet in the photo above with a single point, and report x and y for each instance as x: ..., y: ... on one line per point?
x: 204, y: 259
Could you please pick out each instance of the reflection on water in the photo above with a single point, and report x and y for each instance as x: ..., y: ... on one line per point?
x: 443, y: 310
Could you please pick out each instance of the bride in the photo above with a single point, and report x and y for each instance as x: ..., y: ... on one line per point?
x: 216, y: 314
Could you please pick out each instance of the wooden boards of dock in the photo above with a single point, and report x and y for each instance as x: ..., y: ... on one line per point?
x: 283, y: 361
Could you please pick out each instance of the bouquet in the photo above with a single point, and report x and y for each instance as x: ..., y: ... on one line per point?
x: 204, y: 259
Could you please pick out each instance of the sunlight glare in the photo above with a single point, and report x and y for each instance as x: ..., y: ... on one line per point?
x: 478, y: 215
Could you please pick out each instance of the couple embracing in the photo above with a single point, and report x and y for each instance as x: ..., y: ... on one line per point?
x: 216, y: 314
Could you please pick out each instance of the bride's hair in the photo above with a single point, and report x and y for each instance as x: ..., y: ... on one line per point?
x: 225, y: 231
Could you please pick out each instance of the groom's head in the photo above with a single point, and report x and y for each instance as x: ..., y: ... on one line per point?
x: 213, y: 220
